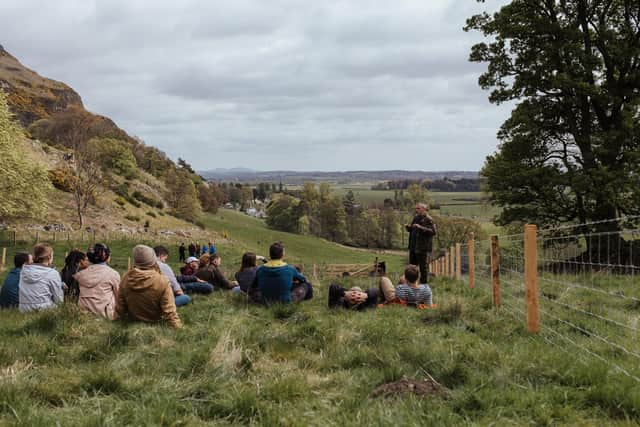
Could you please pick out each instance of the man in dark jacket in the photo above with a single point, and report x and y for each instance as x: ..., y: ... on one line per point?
x: 9, y: 295
x: 214, y: 275
x: 421, y: 232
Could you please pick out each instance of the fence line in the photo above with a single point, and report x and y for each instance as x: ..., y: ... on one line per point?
x: 582, y: 275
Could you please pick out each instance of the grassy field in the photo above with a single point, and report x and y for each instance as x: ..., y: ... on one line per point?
x: 236, y: 364
x: 466, y: 204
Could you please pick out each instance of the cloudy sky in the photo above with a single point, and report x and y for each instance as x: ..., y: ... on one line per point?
x: 272, y: 84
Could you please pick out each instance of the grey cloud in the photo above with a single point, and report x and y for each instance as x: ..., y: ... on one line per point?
x: 278, y: 84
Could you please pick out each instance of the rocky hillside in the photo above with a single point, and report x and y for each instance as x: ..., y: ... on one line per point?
x: 31, y: 96
x: 136, y: 183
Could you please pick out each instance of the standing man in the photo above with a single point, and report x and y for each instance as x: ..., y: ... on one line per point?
x: 183, y: 252
x: 421, y: 232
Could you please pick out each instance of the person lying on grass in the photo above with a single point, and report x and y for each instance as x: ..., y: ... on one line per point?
x: 98, y: 283
x: 40, y: 284
x: 274, y: 280
x: 409, y: 291
x: 352, y: 299
x: 145, y: 293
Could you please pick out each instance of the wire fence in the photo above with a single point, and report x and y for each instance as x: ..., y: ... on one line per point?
x: 575, y: 286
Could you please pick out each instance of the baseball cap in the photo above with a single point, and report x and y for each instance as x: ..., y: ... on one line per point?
x: 191, y: 259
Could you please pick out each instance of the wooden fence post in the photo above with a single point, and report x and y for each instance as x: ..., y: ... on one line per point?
x: 15, y: 238
x: 82, y: 236
x: 452, y: 261
x: 37, y: 236
x: 495, y: 269
x: 458, y: 261
x: 54, y: 236
x: 128, y: 263
x: 531, y: 277
x: 446, y: 263
x: 3, y: 262
x: 472, y: 260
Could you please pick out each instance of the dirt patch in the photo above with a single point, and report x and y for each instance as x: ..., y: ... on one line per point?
x: 424, y: 388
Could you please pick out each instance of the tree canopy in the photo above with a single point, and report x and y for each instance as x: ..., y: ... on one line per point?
x: 570, y: 150
x: 23, y: 186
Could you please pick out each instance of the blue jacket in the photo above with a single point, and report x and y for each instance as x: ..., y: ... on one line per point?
x: 274, y: 279
x: 9, y: 295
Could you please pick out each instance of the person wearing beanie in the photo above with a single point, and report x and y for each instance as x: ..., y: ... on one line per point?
x: 145, y: 293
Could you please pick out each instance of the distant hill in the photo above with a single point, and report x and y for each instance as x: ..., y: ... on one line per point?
x: 297, y: 177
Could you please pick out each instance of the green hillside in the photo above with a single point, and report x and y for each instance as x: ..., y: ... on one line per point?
x: 238, y: 364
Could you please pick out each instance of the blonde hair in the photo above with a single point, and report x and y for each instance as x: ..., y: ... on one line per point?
x: 204, y: 260
x: 42, y: 252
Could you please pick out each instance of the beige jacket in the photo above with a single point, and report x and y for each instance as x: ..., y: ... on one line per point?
x: 99, y: 286
x: 146, y: 295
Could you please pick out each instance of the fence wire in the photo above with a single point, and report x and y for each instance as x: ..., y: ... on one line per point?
x: 588, y: 295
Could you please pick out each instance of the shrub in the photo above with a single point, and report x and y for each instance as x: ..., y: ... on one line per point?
x: 61, y: 179
x: 151, y: 214
x: 147, y: 200
x: 120, y: 200
x: 134, y: 218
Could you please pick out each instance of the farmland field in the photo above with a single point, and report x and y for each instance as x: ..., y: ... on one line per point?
x: 466, y: 204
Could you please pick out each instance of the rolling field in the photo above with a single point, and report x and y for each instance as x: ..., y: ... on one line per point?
x: 238, y: 364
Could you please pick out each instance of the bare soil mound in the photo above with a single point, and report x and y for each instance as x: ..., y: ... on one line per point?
x: 423, y: 388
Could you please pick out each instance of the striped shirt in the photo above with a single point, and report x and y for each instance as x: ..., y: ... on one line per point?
x: 410, y: 295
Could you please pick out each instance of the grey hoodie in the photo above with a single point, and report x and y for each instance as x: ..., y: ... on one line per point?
x: 40, y: 287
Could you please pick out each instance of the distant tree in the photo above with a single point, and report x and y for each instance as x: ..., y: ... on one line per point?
x: 281, y: 214
x: 418, y: 194
x: 389, y: 227
x: 114, y: 156
x: 324, y: 191
x: 181, y: 195
x: 349, y: 203
x: 333, y: 220
x: 208, y: 198
x: 367, y: 229
x: 456, y: 230
x: 570, y: 150
x: 85, y: 178
x: 23, y: 185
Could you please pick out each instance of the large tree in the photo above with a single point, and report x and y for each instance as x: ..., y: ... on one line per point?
x: 570, y: 150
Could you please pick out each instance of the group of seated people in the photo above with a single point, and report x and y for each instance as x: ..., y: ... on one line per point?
x: 150, y: 291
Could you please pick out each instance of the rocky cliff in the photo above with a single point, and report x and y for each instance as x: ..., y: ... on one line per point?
x: 31, y: 96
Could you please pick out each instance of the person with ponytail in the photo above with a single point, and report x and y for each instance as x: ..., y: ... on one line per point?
x: 40, y: 285
x: 99, y: 283
x: 75, y: 261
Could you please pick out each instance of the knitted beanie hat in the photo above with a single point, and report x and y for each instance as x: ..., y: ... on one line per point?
x: 144, y: 257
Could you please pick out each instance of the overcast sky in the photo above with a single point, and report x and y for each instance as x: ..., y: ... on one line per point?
x: 278, y: 84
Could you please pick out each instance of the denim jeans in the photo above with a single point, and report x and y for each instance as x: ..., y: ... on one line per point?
x: 182, y: 300
x: 197, y: 288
